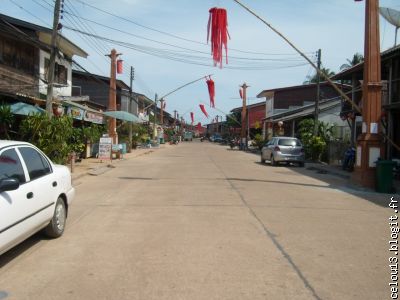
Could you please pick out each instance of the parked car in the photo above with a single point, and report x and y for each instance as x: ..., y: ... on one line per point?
x: 283, y: 149
x: 188, y: 136
x: 35, y: 194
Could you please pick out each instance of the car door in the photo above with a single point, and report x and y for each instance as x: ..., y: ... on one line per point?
x: 42, y: 181
x: 16, y: 209
x: 268, y: 148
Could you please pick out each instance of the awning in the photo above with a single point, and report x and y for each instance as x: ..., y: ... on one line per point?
x: 122, y: 115
x: 21, y: 108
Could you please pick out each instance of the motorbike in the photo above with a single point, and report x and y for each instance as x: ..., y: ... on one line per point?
x: 233, y: 143
x: 349, y: 159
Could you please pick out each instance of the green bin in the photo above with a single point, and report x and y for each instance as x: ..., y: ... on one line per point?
x: 384, y: 176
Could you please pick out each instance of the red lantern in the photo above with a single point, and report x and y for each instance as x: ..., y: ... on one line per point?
x: 203, y: 109
x: 211, y: 91
x: 217, y: 28
x: 119, y: 66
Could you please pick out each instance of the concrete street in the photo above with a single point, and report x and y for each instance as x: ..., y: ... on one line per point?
x: 201, y: 221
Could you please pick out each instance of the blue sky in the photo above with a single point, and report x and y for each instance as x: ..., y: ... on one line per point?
x: 336, y: 27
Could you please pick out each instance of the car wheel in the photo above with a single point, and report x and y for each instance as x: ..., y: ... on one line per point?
x: 273, y: 162
x: 57, y: 224
x: 262, y: 159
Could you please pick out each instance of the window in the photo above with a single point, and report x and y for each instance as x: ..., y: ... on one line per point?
x: 37, y: 165
x: 289, y: 142
x: 60, y: 72
x: 10, y: 166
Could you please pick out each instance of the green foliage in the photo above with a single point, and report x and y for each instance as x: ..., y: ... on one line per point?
x: 92, y: 133
x: 6, y: 120
x: 314, y: 146
x: 356, y: 59
x: 76, y: 141
x: 258, y: 141
x: 314, y: 78
x: 52, y: 136
x: 234, y: 119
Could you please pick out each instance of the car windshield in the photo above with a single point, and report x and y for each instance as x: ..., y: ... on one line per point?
x: 289, y: 142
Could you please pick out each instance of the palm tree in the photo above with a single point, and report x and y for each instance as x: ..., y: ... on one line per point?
x: 314, y: 78
x: 357, y: 58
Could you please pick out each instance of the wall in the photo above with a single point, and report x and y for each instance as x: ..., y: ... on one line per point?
x: 57, y: 91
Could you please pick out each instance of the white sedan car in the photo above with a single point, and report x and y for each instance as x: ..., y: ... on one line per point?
x: 34, y: 194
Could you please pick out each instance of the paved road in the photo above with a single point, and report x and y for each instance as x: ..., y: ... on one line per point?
x: 200, y: 221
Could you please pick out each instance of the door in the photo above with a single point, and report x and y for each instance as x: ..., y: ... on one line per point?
x: 42, y: 181
x: 15, y: 206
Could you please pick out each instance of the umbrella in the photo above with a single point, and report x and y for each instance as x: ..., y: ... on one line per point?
x: 122, y: 115
x: 21, y: 108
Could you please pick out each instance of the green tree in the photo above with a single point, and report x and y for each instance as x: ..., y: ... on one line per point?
x: 314, y: 78
x: 53, y: 136
x: 315, y: 146
x: 356, y: 59
x: 6, y: 119
x: 233, y: 120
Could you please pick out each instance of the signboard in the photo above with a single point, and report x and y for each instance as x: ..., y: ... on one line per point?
x: 105, y: 146
x: 93, y: 117
x: 76, y: 113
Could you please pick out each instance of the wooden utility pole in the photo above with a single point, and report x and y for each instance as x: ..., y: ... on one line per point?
x: 155, y: 117
x: 369, y: 143
x: 316, y: 111
x: 162, y: 111
x: 132, y: 77
x: 112, y: 96
x: 243, y: 133
x: 53, y: 52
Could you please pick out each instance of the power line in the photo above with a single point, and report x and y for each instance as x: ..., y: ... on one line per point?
x: 189, y: 59
x: 167, y: 33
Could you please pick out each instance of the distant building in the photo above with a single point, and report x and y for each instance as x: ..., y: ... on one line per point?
x: 24, y: 62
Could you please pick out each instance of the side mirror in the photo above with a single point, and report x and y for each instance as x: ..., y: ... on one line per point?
x: 8, y: 184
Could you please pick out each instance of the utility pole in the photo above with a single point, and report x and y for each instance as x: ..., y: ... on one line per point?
x: 130, y: 107
x: 316, y: 112
x: 243, y: 134
x: 155, y: 117
x: 162, y: 112
x: 175, y: 118
x: 369, y: 143
x: 112, y: 96
x: 53, y: 52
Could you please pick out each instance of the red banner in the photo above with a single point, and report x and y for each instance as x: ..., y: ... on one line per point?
x: 203, y: 109
x: 119, y: 66
x: 211, y: 91
x: 218, y: 33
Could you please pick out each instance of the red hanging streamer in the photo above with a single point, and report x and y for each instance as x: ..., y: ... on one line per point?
x: 199, y: 126
x: 203, y: 109
x: 211, y: 91
x: 119, y: 66
x: 217, y: 28
x: 241, y: 93
x: 192, y: 117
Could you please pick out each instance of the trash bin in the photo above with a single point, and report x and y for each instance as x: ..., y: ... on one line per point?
x: 384, y: 176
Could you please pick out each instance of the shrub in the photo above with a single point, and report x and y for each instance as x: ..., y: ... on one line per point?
x: 52, y: 136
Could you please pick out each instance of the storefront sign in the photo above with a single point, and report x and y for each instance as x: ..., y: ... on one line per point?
x: 93, y: 117
x: 76, y: 113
